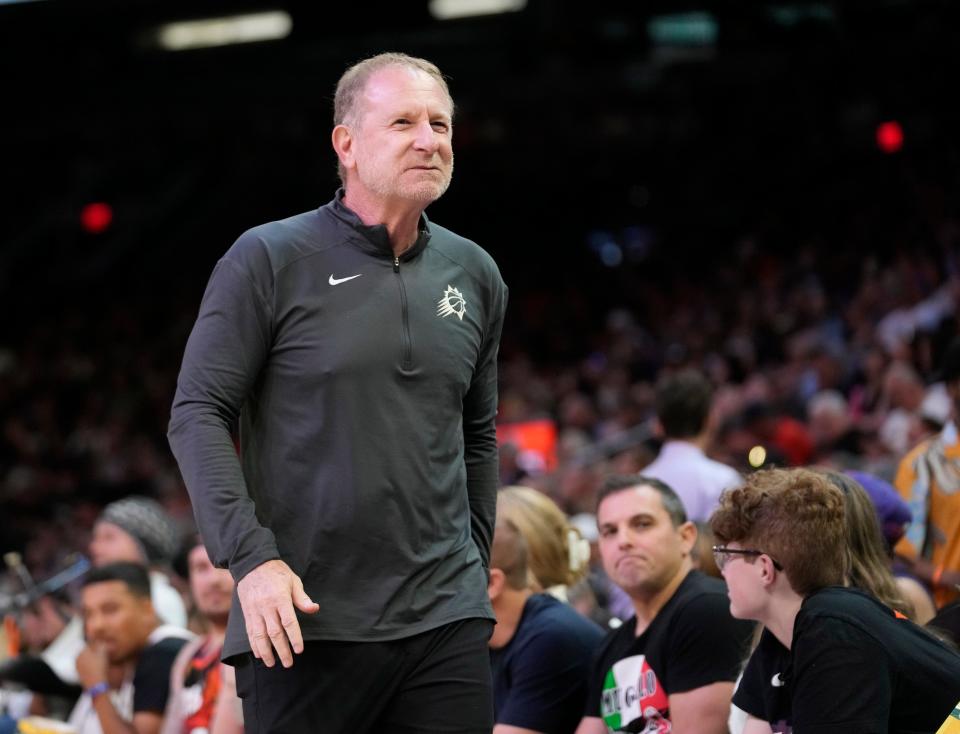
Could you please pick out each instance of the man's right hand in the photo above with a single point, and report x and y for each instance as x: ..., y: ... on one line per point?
x: 268, y: 595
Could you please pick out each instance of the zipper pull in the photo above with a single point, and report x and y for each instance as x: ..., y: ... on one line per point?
x: 396, y: 264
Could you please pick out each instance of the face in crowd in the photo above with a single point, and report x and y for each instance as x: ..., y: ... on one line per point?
x: 111, y: 543
x: 641, y: 547
x: 212, y: 587
x: 116, y: 619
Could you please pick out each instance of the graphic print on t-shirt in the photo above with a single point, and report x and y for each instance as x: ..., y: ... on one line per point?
x: 633, y: 699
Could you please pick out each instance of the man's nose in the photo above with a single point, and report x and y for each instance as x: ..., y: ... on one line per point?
x: 427, y: 138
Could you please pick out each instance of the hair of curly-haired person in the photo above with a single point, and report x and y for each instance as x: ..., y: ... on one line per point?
x: 797, y: 517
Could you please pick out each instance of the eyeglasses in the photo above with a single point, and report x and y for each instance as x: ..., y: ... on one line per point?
x: 722, y: 554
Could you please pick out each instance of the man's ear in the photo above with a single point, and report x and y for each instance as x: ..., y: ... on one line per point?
x: 342, y: 139
x: 496, y: 584
x: 688, y: 536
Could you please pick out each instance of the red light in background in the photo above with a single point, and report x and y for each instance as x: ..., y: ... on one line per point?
x: 889, y: 136
x: 96, y: 218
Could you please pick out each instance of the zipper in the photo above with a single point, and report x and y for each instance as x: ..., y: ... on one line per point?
x: 407, y: 362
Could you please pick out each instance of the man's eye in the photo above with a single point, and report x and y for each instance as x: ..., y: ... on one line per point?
x: 441, y: 126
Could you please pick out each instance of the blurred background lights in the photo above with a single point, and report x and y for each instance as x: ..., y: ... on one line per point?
x: 889, y: 136
x: 96, y: 217
x: 757, y: 456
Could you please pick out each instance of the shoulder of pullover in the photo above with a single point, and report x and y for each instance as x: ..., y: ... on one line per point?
x: 275, y: 245
x: 474, y: 260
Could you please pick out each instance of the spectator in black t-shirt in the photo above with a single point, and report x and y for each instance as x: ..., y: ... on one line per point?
x: 125, y: 667
x: 540, y: 649
x: 852, y: 664
x: 671, y: 667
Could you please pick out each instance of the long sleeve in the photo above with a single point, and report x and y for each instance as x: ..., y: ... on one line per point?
x: 480, y: 433
x: 228, y: 347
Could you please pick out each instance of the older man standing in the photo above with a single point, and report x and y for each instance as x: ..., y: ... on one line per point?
x: 357, y: 345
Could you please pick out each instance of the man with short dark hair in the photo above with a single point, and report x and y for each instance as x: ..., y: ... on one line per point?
x: 540, y: 648
x: 671, y: 667
x: 683, y: 401
x: 125, y: 667
x: 854, y: 664
x: 356, y: 345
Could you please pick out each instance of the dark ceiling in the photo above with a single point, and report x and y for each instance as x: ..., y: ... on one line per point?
x: 571, y: 119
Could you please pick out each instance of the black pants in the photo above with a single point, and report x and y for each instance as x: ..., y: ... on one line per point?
x: 437, y: 681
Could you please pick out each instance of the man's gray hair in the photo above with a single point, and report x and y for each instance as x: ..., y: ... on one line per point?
x: 346, y: 100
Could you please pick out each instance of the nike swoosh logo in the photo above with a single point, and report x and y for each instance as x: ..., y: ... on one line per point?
x: 338, y: 281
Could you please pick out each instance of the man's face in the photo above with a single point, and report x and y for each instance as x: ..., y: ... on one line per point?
x: 111, y: 543
x: 402, y: 138
x: 116, y: 619
x: 744, y: 584
x: 212, y: 587
x: 641, y: 549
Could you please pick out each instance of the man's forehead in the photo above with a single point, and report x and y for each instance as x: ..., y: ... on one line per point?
x: 100, y: 591
x: 394, y: 85
x: 641, y: 499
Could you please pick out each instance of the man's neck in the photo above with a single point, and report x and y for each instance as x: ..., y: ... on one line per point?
x: 508, y: 610
x: 781, y: 617
x: 648, y: 605
x: 401, y: 218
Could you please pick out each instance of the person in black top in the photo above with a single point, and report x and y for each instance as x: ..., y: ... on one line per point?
x: 671, y: 667
x: 355, y: 346
x: 540, y: 649
x: 125, y: 667
x: 843, y: 661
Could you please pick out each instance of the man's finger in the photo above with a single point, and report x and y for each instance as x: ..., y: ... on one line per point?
x: 260, y: 642
x: 278, y: 636
x: 288, y: 619
x: 302, y: 600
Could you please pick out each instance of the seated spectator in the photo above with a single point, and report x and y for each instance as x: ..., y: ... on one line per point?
x: 929, y: 480
x: 683, y: 401
x: 671, y: 667
x: 557, y: 555
x: 540, y: 648
x: 139, y: 530
x: 125, y: 667
x: 853, y: 663
x: 893, y: 514
x: 203, y: 692
x: 758, y: 694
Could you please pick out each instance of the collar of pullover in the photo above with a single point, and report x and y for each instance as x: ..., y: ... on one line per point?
x: 373, y: 238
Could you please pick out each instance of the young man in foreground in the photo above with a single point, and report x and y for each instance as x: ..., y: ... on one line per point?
x: 854, y: 665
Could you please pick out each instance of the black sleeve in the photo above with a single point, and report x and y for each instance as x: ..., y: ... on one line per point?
x: 549, y: 679
x: 757, y: 694
x: 706, y: 644
x: 480, y: 432
x: 226, y: 350
x: 840, y: 680
x: 151, y: 681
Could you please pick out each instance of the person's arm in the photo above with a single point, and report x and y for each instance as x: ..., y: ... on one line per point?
x: 756, y: 726
x: 591, y: 725
x: 479, y: 430
x: 173, y: 715
x: 228, y: 710
x: 229, y: 345
x: 93, y: 671
x: 703, y: 710
x: 507, y: 729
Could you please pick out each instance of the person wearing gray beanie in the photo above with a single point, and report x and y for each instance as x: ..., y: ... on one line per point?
x: 138, y: 529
